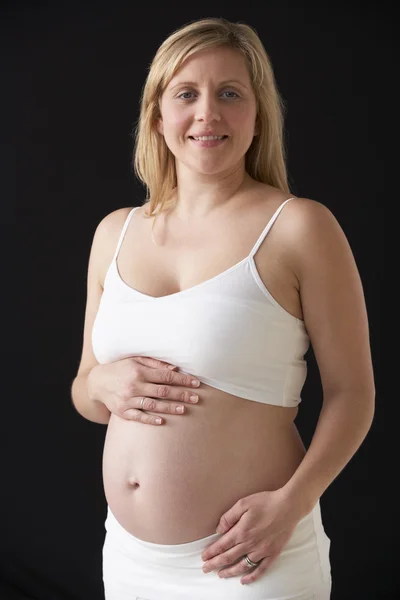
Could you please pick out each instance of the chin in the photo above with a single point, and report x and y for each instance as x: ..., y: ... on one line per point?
x: 209, y: 167
x: 210, y: 171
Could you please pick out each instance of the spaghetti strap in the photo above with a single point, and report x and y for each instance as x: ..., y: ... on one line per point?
x: 122, y: 235
x: 268, y: 227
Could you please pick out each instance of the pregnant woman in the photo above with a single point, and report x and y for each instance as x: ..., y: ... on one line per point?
x: 225, y: 278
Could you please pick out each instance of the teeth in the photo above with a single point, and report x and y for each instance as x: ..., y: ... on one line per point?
x: 204, y: 138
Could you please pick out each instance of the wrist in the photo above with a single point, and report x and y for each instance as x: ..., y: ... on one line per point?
x: 300, y: 497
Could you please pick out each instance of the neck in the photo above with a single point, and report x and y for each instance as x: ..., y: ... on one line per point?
x: 198, y: 197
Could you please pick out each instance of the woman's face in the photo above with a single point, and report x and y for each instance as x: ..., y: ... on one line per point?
x: 211, y: 94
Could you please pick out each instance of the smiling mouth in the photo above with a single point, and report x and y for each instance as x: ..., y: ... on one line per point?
x: 222, y: 137
x: 209, y: 143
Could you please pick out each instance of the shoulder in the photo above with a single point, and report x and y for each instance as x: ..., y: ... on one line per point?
x: 307, y: 214
x: 297, y: 214
x: 106, y: 238
x: 113, y: 222
x: 310, y: 229
x: 301, y: 219
x: 308, y: 220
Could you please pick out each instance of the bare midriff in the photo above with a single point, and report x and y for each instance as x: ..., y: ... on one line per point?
x: 171, y: 483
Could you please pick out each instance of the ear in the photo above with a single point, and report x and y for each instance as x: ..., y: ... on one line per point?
x: 160, y: 126
x: 257, y: 127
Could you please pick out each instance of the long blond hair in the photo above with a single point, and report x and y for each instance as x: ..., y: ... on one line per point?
x: 153, y: 162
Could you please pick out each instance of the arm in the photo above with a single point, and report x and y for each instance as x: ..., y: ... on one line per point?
x: 85, y: 401
x: 83, y: 390
x: 336, y: 320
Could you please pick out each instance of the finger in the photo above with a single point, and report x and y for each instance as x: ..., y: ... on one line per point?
x: 153, y: 405
x: 154, y: 363
x: 224, y: 551
x: 224, y: 543
x: 172, y: 392
x: 232, y: 516
x: 258, y: 571
x: 224, y: 561
x: 239, y: 568
x: 169, y: 377
x: 166, y: 384
x: 132, y: 414
x: 163, y: 374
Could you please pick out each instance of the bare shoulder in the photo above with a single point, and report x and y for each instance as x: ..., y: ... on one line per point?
x: 308, y: 214
x: 106, y: 239
x: 114, y: 221
x: 311, y: 230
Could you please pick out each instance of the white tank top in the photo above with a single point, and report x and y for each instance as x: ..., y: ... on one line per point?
x: 228, y: 331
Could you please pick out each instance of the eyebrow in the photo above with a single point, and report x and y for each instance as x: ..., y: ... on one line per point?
x: 194, y: 84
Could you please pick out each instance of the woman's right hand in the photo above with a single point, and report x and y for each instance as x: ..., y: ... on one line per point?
x: 122, y: 384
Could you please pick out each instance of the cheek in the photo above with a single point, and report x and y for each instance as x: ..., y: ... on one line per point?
x: 241, y: 119
x: 181, y: 123
x: 245, y: 117
x: 175, y: 122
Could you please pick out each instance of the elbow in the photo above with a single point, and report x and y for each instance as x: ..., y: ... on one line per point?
x: 372, y: 405
x: 360, y: 401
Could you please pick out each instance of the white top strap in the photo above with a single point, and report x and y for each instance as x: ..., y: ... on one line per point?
x: 125, y: 227
x: 268, y: 227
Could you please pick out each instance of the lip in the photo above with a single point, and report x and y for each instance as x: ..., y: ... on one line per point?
x: 207, y: 133
x: 208, y: 143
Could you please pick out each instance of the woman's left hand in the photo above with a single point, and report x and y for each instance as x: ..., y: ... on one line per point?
x: 259, y: 525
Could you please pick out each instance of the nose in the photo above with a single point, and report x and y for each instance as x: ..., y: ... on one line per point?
x: 207, y: 109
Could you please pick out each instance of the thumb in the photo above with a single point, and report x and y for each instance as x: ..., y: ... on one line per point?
x: 230, y: 518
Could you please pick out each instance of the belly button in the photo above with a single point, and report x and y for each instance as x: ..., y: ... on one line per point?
x: 132, y: 484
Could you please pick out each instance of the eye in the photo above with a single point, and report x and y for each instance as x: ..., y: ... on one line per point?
x: 187, y: 95
x: 183, y: 94
x: 230, y: 92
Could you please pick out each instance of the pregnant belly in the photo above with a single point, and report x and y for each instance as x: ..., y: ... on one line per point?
x: 170, y: 484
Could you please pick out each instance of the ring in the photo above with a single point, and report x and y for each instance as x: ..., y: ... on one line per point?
x: 141, y: 403
x: 249, y: 561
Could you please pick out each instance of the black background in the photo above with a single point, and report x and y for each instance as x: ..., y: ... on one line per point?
x: 72, y: 73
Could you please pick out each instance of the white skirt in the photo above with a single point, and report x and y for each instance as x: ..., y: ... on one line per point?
x: 134, y: 569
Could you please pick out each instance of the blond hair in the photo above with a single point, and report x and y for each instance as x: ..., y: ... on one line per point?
x: 153, y: 162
